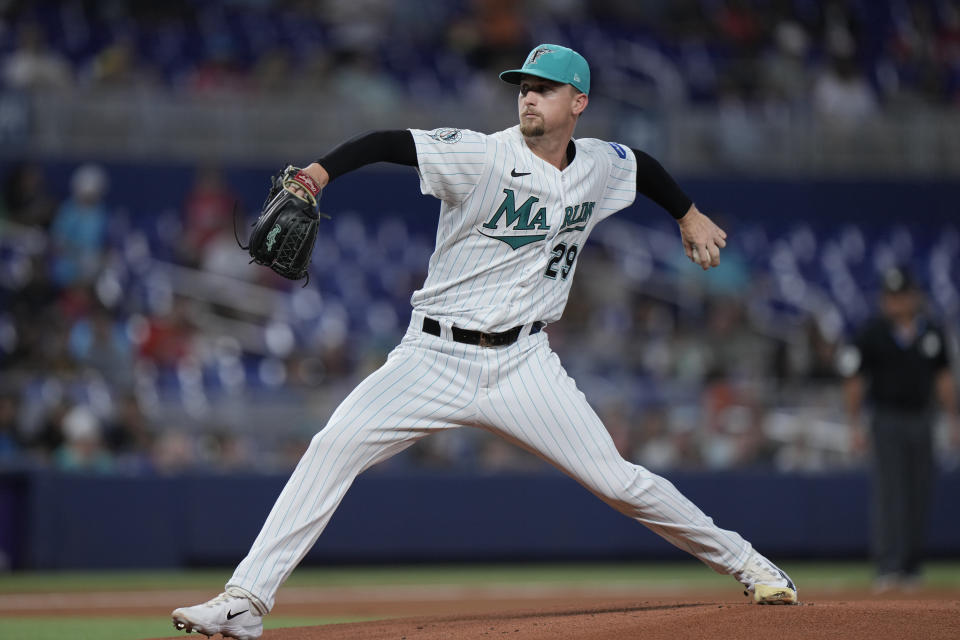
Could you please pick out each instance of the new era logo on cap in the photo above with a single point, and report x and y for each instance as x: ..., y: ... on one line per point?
x: 553, y: 62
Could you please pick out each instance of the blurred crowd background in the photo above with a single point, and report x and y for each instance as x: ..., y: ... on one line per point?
x: 842, y: 58
x: 134, y: 337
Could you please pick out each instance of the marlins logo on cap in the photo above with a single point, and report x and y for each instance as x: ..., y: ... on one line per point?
x: 536, y: 53
x: 553, y: 62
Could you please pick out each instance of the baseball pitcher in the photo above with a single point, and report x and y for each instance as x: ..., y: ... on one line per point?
x: 516, y: 208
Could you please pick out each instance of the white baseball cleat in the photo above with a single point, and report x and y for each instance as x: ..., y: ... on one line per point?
x: 766, y: 582
x: 230, y: 615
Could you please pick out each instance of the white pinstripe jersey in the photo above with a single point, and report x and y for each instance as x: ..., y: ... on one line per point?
x: 511, y: 224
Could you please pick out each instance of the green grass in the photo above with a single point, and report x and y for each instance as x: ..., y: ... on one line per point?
x: 860, y: 575
x: 116, y: 628
x: 838, y: 574
x: 640, y: 574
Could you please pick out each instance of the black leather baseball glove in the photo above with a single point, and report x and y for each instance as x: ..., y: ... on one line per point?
x: 284, y: 234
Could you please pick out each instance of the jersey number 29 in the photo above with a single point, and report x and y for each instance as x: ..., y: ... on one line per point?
x: 561, y: 252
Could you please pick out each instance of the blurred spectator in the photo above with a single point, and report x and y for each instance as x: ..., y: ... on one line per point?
x: 25, y: 197
x: 733, y: 427
x: 207, y: 211
x: 273, y: 71
x: 227, y: 451
x: 118, y: 65
x: 492, y: 35
x: 842, y: 98
x: 357, y: 78
x: 220, y: 70
x: 221, y: 255
x: 33, y: 312
x: 82, y: 447
x: 903, y: 357
x: 751, y: 446
x: 739, y: 23
x: 79, y: 228
x: 738, y: 137
x: 737, y: 352
x: 11, y: 440
x: 34, y: 66
x: 75, y: 302
x: 810, y: 356
x: 801, y: 455
x: 948, y: 47
x: 168, y: 336
x: 128, y: 435
x: 174, y: 451
x: 47, y: 435
x: 620, y: 425
x: 312, y: 75
x: 100, y: 341
x: 657, y: 447
x: 786, y: 78
x: 220, y: 47
x: 354, y: 24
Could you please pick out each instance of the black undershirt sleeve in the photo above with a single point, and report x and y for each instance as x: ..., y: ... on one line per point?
x: 394, y: 146
x: 397, y: 146
x: 654, y: 182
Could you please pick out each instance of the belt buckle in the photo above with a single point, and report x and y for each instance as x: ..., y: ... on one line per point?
x: 484, y: 340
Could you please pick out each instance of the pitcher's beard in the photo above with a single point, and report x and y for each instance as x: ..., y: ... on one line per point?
x: 532, y: 129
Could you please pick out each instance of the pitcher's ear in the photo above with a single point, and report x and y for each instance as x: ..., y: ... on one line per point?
x: 580, y: 103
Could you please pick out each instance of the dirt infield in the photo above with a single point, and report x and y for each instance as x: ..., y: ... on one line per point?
x: 669, y: 620
x: 441, y: 612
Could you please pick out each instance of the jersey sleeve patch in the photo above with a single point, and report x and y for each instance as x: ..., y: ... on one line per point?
x: 450, y: 161
x: 619, y: 149
x: 447, y: 135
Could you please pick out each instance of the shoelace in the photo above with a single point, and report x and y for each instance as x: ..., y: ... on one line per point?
x: 220, y: 599
x: 770, y: 572
x: 758, y: 571
x: 763, y: 570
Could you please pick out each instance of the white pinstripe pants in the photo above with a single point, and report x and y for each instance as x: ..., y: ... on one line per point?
x: 522, y: 393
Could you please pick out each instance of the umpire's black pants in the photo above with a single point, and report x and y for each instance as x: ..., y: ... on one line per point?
x: 902, y: 481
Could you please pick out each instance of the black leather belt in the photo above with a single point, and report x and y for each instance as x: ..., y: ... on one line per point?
x: 479, y: 338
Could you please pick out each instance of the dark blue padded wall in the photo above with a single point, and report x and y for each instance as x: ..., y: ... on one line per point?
x: 144, y: 190
x: 70, y: 522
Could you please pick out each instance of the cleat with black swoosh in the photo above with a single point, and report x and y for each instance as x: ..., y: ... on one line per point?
x: 231, y: 615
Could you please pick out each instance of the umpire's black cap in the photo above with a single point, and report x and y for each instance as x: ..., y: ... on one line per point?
x: 898, y: 279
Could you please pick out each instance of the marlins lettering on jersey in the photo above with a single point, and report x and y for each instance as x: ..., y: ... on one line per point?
x: 518, y: 219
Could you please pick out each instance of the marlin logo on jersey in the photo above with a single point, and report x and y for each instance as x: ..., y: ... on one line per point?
x: 518, y: 220
x: 450, y: 136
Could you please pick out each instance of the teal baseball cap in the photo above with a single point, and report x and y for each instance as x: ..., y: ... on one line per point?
x: 553, y: 62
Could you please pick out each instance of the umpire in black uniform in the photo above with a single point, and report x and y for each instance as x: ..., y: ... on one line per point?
x: 900, y: 361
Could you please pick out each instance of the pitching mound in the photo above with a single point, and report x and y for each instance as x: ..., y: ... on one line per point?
x: 928, y: 617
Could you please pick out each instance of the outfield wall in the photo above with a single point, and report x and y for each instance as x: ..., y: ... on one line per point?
x: 55, y: 521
